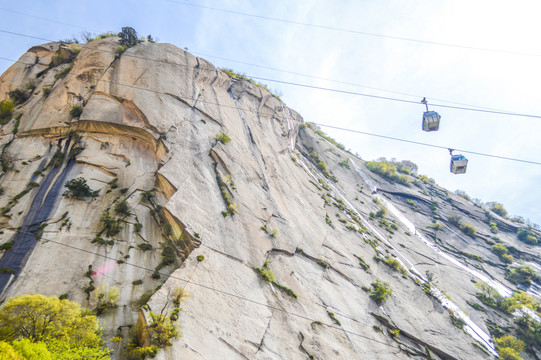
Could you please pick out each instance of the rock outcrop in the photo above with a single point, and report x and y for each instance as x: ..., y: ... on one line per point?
x: 276, y: 235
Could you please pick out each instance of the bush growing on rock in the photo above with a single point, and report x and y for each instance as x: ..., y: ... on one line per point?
x: 76, y: 111
x: 523, y: 275
x: 6, y: 111
x: 18, y: 96
x: 498, y: 209
x: 122, y: 208
x: 223, y: 138
x: 381, y: 292
x: 110, y: 225
x: 503, y: 253
x: 104, y: 298
x: 468, y: 229
x: 78, y: 188
x: 526, y: 235
x: 389, y: 171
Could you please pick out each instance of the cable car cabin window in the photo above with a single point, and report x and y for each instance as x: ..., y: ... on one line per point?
x: 459, y: 164
x: 431, y: 121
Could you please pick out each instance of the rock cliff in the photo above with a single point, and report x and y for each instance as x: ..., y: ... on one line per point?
x: 200, y: 181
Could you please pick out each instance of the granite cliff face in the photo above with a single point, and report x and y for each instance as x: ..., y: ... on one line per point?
x: 292, y: 228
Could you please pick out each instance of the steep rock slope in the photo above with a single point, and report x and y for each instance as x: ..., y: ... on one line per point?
x: 277, y: 202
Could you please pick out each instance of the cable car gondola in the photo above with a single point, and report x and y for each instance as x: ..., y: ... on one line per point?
x: 431, y: 119
x: 459, y: 163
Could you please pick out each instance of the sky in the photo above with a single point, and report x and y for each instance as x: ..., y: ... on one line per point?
x: 473, y: 54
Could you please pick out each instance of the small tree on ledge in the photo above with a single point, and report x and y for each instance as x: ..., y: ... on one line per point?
x: 78, y: 188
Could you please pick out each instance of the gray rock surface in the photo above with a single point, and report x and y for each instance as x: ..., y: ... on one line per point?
x: 148, y: 127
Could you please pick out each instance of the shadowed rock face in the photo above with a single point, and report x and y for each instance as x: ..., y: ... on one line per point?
x: 147, y: 135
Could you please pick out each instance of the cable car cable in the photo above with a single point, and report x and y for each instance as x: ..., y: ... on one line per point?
x: 479, y: 109
x: 332, y: 28
x: 429, y: 145
x: 399, y: 100
x: 223, y: 292
x: 266, y: 67
x: 324, y: 125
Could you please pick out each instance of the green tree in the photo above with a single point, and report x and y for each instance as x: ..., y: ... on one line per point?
x: 508, y: 354
x: 519, y: 300
x: 128, y: 36
x: 79, y: 189
x: 37, y: 317
x: 7, y: 352
x: 509, y: 341
x: 509, y: 347
x: 32, y: 350
x: 63, y: 350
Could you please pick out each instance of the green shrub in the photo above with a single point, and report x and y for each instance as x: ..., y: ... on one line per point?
x: 333, y: 317
x: 78, y: 189
x: 137, y: 282
x: 46, y: 91
x: 394, y: 264
x: 6, y: 246
x: 120, y: 49
x: 363, y: 264
x: 110, y: 225
x: 122, y: 208
x: 200, y: 258
x: 502, y: 251
x: 223, y: 138
x: 161, y: 329
x: 388, y: 171
x: 168, y: 257
x: 344, y: 164
x: 320, y: 164
x: 381, y: 292
x: 523, y: 274
x: 134, y: 352
x: 468, y: 229
x: 17, y: 122
x: 509, y: 347
x: 266, y: 273
x: 458, y: 322
x: 529, y: 332
x: 455, y: 219
x: 144, y: 246
x: 76, y: 111
x: 526, y: 235
x: 6, y: 111
x: 518, y: 300
x: 231, y: 207
x: 498, y: 209
x: 18, y: 96
x: 105, y: 298
x: 381, y: 213
x: 62, y: 73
